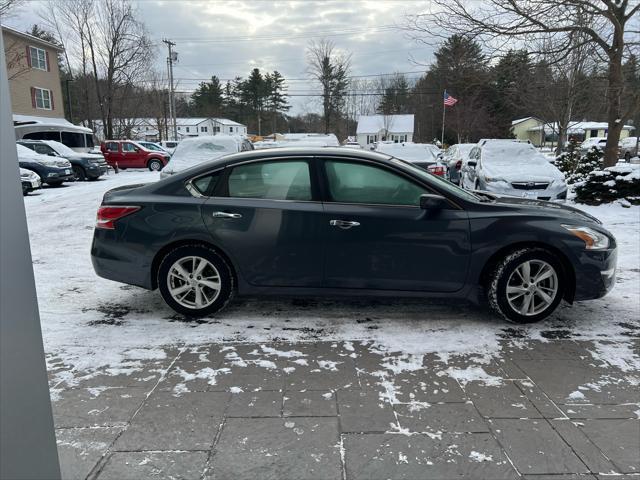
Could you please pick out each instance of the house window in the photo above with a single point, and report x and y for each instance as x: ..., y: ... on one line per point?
x: 230, y: 129
x: 38, y: 58
x: 187, y: 129
x: 179, y: 128
x: 42, y: 98
x: 594, y: 133
x: 216, y: 129
x: 372, y: 139
x: 203, y: 129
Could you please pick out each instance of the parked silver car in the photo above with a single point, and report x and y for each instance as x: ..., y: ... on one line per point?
x: 508, y: 167
x: 629, y: 148
x: 454, y: 157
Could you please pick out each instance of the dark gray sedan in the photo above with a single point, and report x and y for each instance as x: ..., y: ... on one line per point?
x: 345, y: 222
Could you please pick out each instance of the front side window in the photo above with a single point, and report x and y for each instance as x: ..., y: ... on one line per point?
x: 38, y: 58
x: 42, y: 98
x: 277, y: 180
x: 128, y: 147
x: 359, y: 183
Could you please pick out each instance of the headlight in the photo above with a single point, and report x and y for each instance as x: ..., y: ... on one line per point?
x: 593, y: 239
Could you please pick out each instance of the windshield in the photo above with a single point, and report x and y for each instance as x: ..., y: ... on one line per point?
x: 152, y: 146
x: 509, y: 154
x: 61, y: 148
x: 440, y: 182
x: 408, y: 152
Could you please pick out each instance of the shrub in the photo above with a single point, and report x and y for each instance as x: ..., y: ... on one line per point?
x: 613, y: 183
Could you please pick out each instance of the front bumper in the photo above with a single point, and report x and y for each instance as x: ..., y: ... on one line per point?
x: 552, y: 192
x: 95, y: 171
x: 595, y: 273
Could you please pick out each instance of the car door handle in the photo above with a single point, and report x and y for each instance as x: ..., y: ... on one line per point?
x: 226, y: 215
x: 344, y: 224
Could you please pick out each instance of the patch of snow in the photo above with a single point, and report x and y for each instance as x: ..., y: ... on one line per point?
x: 480, y: 457
x: 236, y: 390
x: 576, y: 395
x: 474, y: 374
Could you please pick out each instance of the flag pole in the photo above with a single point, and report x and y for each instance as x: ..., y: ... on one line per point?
x: 444, y: 110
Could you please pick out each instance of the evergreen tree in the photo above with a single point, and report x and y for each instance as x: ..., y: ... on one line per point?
x: 276, y: 101
x: 396, y: 96
x: 568, y: 161
x: 253, y: 94
x: 589, y: 162
x: 207, y: 100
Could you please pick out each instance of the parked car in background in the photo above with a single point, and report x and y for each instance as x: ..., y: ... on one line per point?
x: 332, y: 221
x: 152, y: 146
x: 195, y: 150
x: 453, y: 159
x: 30, y: 180
x: 437, y: 151
x: 169, y: 145
x: 629, y: 148
x: 129, y: 154
x: 598, y: 143
x: 506, y: 167
x: 85, y: 166
x: 52, y: 170
x: 419, y: 154
x: 354, y: 145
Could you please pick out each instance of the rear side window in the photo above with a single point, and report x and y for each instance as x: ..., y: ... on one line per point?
x: 128, y: 147
x: 278, y: 180
x: 43, y: 136
x: 207, y: 184
x: 73, y: 140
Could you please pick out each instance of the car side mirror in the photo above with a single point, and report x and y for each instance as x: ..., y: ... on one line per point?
x: 430, y: 201
x: 136, y: 149
x: 472, y: 164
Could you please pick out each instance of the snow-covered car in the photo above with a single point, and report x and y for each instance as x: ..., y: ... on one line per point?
x: 453, y: 159
x: 52, y: 170
x: 419, y: 154
x: 629, y: 148
x: 85, y: 166
x: 505, y: 167
x: 30, y: 180
x: 354, y: 145
x: 598, y: 143
x: 196, y: 150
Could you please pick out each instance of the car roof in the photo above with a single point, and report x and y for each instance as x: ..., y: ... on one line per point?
x: 235, y: 158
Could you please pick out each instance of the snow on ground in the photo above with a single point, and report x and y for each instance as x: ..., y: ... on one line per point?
x: 90, y: 323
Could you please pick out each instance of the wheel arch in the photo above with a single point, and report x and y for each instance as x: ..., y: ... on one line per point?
x: 160, y: 254
x: 568, y: 272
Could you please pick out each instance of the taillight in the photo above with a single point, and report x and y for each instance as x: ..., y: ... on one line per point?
x: 458, y: 165
x: 107, y: 215
x: 436, y: 170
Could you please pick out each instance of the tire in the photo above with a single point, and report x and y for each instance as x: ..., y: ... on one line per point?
x: 170, y: 278
x: 505, y: 274
x: 25, y: 190
x: 79, y: 173
x: 155, y: 165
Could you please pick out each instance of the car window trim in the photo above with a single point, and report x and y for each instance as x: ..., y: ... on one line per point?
x: 327, y: 199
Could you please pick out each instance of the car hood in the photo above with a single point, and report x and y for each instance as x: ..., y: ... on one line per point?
x: 534, y: 172
x: 550, y: 208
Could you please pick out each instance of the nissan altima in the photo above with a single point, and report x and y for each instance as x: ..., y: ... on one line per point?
x: 333, y: 221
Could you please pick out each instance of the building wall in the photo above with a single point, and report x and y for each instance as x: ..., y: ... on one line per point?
x: 603, y: 133
x: 22, y: 77
x: 520, y: 131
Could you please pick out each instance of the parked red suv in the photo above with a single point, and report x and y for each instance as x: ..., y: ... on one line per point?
x: 129, y: 154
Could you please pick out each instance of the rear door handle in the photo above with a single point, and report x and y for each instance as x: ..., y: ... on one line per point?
x: 344, y: 224
x: 226, y: 215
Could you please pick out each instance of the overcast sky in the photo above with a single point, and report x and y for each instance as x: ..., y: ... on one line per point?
x: 229, y: 38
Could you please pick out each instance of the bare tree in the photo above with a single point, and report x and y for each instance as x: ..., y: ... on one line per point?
x: 331, y: 70
x: 500, y: 22
x: 8, y: 7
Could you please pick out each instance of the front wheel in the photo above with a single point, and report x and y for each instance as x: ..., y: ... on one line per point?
x: 155, y: 165
x: 79, y: 174
x: 526, y: 286
x: 195, y: 281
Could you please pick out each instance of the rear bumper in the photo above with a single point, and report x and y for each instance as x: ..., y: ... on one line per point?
x: 113, y: 260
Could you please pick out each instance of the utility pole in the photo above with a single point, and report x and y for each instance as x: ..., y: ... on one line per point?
x: 69, y: 100
x: 173, y: 56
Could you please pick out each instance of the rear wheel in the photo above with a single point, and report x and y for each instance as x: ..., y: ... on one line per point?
x: 79, y: 173
x: 25, y: 190
x: 526, y: 286
x: 195, y: 281
x: 155, y: 165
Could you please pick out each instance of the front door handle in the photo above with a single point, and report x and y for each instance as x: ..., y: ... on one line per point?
x: 226, y: 215
x: 344, y: 224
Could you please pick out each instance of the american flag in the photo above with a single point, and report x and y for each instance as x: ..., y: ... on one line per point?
x: 449, y: 101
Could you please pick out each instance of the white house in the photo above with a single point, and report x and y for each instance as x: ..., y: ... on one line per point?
x: 374, y: 128
x: 147, y: 128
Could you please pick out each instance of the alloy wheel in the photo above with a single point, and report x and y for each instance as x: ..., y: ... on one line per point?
x: 193, y: 282
x: 532, y: 287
